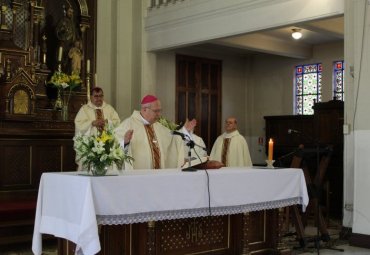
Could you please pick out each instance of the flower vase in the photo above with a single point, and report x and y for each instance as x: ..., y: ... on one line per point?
x: 59, y: 102
x: 98, y: 170
x: 64, y: 112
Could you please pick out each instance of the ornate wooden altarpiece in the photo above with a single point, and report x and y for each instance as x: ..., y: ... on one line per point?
x: 33, y: 137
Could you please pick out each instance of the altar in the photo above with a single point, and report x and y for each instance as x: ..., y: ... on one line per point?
x: 167, y: 211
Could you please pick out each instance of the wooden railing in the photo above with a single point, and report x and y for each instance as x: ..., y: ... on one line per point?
x: 161, y: 3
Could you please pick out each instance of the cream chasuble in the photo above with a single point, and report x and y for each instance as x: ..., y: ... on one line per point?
x: 238, y: 152
x: 170, y: 146
x: 87, y: 114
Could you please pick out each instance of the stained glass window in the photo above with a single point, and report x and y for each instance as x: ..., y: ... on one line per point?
x: 338, y: 80
x: 307, y: 87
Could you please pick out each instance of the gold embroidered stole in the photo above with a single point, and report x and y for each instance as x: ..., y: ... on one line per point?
x: 154, y: 146
x: 225, y: 150
x: 99, y: 115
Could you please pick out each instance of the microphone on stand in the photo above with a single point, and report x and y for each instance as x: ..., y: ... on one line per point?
x: 179, y: 133
x: 293, y: 131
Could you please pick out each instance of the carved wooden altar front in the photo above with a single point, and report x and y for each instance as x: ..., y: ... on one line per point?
x: 33, y: 136
x: 249, y: 233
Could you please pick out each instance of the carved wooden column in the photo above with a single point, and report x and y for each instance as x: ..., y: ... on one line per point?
x: 31, y: 34
x: 38, y: 16
x: 84, y: 27
x: 151, y: 238
x: 245, y: 238
x: 281, y: 246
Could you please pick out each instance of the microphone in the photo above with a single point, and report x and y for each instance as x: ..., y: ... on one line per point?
x: 178, y: 133
x: 293, y: 131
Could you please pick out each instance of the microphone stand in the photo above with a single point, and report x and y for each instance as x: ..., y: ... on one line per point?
x: 190, y: 143
x: 317, y: 193
x: 279, y: 160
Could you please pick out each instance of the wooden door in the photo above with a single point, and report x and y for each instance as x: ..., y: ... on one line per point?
x: 198, y: 95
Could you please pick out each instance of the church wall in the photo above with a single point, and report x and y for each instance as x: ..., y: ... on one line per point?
x: 357, y: 149
x: 120, y: 53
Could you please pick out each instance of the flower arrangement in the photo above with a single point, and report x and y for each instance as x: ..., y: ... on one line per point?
x: 65, y: 84
x: 168, y: 124
x: 98, y: 152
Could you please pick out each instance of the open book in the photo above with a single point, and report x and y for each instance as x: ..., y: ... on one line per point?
x: 194, y: 161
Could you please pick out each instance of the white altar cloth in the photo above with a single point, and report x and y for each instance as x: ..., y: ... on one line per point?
x: 71, y: 206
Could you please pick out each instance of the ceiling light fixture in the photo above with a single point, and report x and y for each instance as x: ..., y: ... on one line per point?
x: 296, y: 34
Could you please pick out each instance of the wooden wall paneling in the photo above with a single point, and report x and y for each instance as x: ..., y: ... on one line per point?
x: 116, y: 239
x: 15, y: 172
x: 277, y: 128
x: 325, y: 128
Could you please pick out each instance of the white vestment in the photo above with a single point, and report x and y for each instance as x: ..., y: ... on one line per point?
x: 238, y: 152
x: 86, y: 115
x: 170, y: 146
x: 199, y: 149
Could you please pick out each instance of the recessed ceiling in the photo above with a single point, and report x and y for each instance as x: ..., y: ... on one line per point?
x: 278, y: 41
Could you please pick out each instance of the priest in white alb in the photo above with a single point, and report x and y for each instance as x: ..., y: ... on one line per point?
x: 231, y: 148
x: 151, y: 144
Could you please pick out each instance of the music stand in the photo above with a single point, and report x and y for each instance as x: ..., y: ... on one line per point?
x: 316, y: 188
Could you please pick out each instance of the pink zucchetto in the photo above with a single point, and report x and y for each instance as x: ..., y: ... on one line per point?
x: 148, y: 99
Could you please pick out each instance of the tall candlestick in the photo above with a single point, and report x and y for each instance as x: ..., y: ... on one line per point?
x: 88, y: 66
x: 88, y: 87
x: 60, y: 53
x: 271, y: 149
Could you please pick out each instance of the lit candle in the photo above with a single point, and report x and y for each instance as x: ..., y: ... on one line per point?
x: 88, y: 66
x: 60, y: 53
x: 271, y: 149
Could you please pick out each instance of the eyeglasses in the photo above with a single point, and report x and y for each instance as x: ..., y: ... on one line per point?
x: 229, y: 122
x: 156, y: 110
x: 98, y: 96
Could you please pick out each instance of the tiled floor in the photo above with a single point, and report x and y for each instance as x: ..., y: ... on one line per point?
x: 347, y: 250
x: 335, y: 246
x: 335, y: 242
